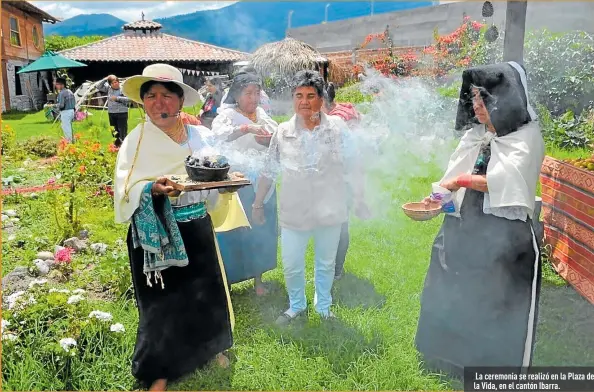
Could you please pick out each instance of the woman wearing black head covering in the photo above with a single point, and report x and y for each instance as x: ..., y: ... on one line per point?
x: 480, y: 298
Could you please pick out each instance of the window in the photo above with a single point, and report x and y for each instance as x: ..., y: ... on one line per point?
x: 15, y: 32
x: 36, y: 37
x: 17, y: 82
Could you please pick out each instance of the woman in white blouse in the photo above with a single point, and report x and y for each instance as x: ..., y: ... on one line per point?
x: 243, y: 130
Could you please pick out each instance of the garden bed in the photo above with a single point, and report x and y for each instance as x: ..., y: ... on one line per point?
x: 568, y: 215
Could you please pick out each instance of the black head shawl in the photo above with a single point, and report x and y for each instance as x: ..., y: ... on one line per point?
x: 504, y: 95
x: 241, y: 80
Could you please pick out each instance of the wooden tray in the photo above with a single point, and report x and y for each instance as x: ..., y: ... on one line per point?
x: 184, y: 184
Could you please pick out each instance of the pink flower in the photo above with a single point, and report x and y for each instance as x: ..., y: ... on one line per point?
x: 51, y: 181
x: 64, y: 255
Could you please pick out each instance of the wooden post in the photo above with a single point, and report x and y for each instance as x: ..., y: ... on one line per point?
x: 515, y: 28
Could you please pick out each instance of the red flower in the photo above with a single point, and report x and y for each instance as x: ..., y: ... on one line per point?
x: 64, y: 255
x: 82, y: 168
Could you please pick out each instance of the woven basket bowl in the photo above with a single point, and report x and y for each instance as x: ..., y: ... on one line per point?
x: 421, y: 212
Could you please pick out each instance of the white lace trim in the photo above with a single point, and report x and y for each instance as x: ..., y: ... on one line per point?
x: 511, y: 213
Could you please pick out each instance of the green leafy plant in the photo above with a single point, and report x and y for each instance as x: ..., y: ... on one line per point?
x: 41, y: 146
x: 56, y: 42
x: 559, y: 69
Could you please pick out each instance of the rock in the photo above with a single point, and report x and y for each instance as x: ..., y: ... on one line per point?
x: 21, y: 169
x: 8, y: 224
x: 17, y: 280
x: 58, y: 248
x: 45, y: 255
x: 99, y: 248
x: 4, y: 217
x: 11, y: 213
x: 83, y: 235
x: 43, y: 266
x: 15, y: 220
x: 77, y: 244
x: 34, y: 196
x: 11, y: 237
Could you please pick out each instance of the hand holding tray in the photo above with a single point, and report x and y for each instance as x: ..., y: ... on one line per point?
x: 182, y: 183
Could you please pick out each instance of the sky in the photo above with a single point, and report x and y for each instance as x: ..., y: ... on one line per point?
x: 127, y: 10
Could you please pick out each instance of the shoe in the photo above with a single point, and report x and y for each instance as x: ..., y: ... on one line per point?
x: 337, y: 277
x: 286, y: 317
x: 328, y: 316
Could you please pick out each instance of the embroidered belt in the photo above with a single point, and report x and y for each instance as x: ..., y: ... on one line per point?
x: 189, y: 212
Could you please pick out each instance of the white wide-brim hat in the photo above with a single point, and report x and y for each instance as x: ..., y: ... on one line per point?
x: 159, y: 73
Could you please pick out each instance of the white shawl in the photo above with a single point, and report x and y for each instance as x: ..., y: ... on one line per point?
x: 159, y: 155
x: 245, y: 150
x: 513, y: 170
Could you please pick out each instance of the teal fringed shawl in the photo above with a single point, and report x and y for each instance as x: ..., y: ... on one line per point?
x: 160, y: 238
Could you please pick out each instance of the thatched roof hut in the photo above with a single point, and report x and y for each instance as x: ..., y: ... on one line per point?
x: 286, y: 57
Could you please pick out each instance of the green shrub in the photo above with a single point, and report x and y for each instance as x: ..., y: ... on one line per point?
x: 560, y: 72
x: 41, y: 146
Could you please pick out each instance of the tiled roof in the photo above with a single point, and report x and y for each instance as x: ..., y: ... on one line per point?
x: 30, y: 8
x: 142, y: 24
x: 152, y: 46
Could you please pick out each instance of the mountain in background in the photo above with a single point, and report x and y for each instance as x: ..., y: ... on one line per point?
x: 80, y: 25
x: 242, y: 25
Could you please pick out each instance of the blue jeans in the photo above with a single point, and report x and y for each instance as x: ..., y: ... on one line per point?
x: 66, y: 117
x: 294, y: 245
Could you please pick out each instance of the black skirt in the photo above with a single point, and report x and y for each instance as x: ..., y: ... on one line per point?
x: 479, y: 305
x: 185, y: 325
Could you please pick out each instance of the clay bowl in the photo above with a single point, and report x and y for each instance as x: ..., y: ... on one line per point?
x: 207, y: 174
x: 421, y: 212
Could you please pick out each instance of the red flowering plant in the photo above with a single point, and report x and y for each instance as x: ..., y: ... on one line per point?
x: 463, y: 48
x: 63, y: 260
x: 391, y: 63
x: 86, y: 166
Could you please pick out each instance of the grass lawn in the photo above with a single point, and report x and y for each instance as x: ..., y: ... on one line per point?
x: 370, y: 346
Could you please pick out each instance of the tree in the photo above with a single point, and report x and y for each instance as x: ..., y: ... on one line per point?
x: 57, y: 43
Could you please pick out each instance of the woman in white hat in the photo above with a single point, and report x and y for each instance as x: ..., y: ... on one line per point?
x: 185, y: 313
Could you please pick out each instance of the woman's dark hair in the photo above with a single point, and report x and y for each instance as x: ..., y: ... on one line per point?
x: 241, y: 80
x: 330, y: 93
x: 309, y: 78
x: 61, y: 81
x: 169, y: 86
x: 215, y: 82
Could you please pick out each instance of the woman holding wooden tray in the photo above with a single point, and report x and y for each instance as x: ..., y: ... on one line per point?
x: 185, y: 313
x: 244, y: 130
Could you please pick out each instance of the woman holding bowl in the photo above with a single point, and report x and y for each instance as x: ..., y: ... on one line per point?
x: 245, y: 129
x: 479, y: 305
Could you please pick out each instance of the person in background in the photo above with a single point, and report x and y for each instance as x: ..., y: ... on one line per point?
x: 265, y: 103
x: 117, y: 108
x: 66, y: 103
x: 479, y: 305
x: 348, y: 113
x: 245, y: 127
x: 311, y: 154
x: 212, y: 101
